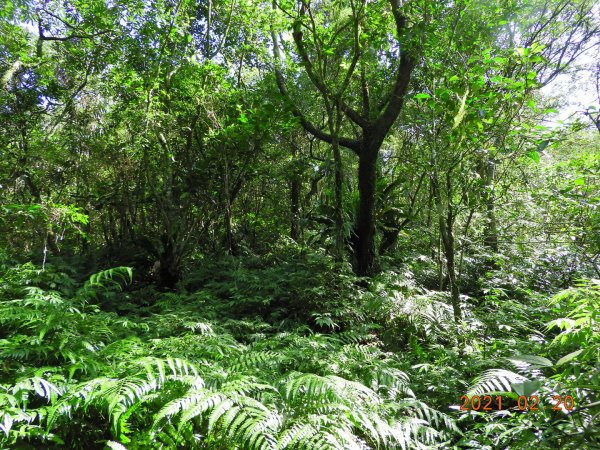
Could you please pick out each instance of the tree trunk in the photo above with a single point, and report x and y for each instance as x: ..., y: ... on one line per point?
x: 295, y: 208
x: 375, y: 123
x: 364, y: 239
x: 449, y: 250
x: 490, y: 232
x: 228, y: 214
x: 446, y: 227
x: 169, y: 270
x: 339, y: 202
x: 447, y: 231
x: 335, y: 123
x: 491, y: 227
x: 295, y: 198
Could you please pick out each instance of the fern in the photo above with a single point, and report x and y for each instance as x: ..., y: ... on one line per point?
x: 495, y: 381
x: 255, y: 359
x: 107, y: 278
x: 580, y: 324
x: 182, y: 379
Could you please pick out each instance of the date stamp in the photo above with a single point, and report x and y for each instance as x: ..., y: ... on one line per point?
x: 523, y: 403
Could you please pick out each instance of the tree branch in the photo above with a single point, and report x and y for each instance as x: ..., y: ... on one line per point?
x: 306, y: 124
x: 396, y: 100
x: 319, y: 84
x: 43, y: 37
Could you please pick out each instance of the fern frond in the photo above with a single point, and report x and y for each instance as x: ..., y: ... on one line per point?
x: 195, y: 399
x: 39, y: 385
x: 108, y: 277
x: 203, y: 328
x: 312, y: 389
x: 388, y: 380
x: 431, y: 416
x: 494, y: 381
x: 296, y: 435
x: 253, y: 359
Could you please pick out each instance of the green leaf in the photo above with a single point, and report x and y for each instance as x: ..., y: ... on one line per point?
x: 579, y: 182
x: 532, y: 359
x: 526, y: 388
x: 461, y: 111
x: 534, y: 156
x: 422, y: 95
x: 542, y: 145
x: 567, y: 358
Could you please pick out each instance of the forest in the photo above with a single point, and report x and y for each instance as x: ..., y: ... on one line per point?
x: 300, y: 224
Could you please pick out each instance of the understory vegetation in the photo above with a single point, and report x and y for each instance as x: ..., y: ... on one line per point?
x: 102, y: 363
x: 299, y: 224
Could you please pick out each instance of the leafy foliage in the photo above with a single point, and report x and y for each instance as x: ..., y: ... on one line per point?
x: 285, y: 389
x: 318, y: 225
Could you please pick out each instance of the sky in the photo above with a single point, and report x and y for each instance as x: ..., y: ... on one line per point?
x: 575, y: 91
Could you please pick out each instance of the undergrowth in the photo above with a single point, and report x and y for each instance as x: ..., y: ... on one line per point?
x: 179, y: 377
x: 104, y: 364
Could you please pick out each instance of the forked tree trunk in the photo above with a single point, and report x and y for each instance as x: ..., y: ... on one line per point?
x: 374, y: 121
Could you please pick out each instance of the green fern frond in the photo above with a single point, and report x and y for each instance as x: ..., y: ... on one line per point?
x: 372, y: 426
x: 39, y: 385
x: 494, y: 381
x: 388, y: 380
x: 109, y: 277
x: 203, y: 328
x: 253, y: 359
x: 311, y: 386
x: 431, y: 416
x: 355, y: 337
x: 295, y: 436
x: 245, y: 385
x: 197, y: 400
x: 409, y: 432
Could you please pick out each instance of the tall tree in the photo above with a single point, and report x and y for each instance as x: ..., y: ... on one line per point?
x: 361, y: 68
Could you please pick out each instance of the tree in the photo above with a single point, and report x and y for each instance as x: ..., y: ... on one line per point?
x: 339, y: 53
